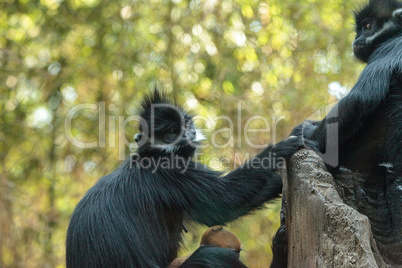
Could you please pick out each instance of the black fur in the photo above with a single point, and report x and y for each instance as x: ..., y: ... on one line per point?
x: 280, y: 249
x: 134, y: 216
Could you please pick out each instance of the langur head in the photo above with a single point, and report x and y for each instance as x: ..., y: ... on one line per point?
x: 165, y: 128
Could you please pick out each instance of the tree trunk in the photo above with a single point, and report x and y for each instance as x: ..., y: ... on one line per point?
x: 322, y: 231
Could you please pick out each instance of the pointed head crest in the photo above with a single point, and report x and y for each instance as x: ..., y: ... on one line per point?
x: 156, y: 104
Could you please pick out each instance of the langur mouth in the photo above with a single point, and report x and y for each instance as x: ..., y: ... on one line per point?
x: 361, y: 53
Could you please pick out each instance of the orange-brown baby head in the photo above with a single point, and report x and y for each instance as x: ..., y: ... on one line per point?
x: 217, y: 236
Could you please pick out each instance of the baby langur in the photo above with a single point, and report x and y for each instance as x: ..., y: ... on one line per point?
x: 215, y: 236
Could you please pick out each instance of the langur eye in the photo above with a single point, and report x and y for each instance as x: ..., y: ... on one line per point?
x: 367, y: 26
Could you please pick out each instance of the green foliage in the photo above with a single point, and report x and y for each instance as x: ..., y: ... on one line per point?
x: 276, y: 58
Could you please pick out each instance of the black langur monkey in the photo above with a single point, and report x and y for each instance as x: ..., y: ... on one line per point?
x: 373, y: 103
x: 134, y: 216
x: 363, y: 132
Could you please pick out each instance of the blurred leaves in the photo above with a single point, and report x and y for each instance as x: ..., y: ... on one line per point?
x: 274, y: 58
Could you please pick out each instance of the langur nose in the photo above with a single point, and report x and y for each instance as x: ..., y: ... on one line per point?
x: 359, y: 43
x: 137, y: 137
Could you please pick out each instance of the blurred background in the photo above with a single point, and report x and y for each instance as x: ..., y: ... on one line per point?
x: 279, y: 59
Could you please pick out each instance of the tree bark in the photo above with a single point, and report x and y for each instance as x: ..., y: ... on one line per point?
x: 322, y: 231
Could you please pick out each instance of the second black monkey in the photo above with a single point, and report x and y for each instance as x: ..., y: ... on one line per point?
x: 364, y: 131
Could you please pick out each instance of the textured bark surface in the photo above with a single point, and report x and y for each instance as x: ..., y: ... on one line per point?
x: 322, y: 231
